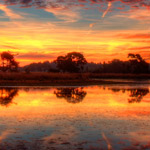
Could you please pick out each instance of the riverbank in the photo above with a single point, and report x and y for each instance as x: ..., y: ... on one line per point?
x: 70, y: 79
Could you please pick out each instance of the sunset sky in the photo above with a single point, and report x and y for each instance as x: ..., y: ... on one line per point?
x: 39, y: 30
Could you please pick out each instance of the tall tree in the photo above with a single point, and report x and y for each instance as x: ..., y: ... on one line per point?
x: 138, y: 64
x: 72, y: 62
x: 8, y: 62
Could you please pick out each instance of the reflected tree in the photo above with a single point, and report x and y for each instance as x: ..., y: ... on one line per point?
x: 136, y: 95
x: 115, y: 90
x: 72, y: 95
x: 7, y: 95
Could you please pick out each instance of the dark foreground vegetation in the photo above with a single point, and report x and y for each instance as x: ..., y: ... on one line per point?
x: 71, y: 69
x: 49, y: 79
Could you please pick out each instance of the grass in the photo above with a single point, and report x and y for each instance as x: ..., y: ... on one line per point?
x: 119, y: 76
x: 41, y: 78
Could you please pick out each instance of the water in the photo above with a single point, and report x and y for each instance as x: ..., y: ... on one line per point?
x: 90, y: 118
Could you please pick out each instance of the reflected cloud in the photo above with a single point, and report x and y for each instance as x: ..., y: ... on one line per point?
x: 7, y: 95
x: 5, y: 134
x: 72, y: 95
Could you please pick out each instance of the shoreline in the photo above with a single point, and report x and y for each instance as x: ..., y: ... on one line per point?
x: 69, y: 83
x: 70, y: 79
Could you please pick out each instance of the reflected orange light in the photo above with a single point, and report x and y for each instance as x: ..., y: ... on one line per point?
x: 34, y: 104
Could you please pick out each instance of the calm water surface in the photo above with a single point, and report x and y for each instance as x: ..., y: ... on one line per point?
x: 91, y: 118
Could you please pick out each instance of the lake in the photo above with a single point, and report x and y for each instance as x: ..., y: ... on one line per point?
x: 102, y: 117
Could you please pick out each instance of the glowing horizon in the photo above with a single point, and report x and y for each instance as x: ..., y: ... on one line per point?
x: 102, y: 31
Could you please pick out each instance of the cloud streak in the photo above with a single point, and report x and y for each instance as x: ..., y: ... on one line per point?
x: 81, y: 3
x: 68, y: 10
x: 84, y: 4
x: 9, y: 12
x: 64, y: 14
x: 108, y: 8
x: 135, y: 36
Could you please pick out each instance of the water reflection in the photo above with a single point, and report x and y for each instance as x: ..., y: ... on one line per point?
x: 135, y: 95
x: 7, y: 95
x: 42, y: 120
x: 72, y: 95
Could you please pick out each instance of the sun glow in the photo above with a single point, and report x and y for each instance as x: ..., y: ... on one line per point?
x: 31, y: 34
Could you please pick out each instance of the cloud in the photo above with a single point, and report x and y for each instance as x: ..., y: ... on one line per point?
x: 140, y: 48
x: 36, y: 56
x: 64, y: 14
x: 135, y: 36
x: 11, y: 14
x: 20, y: 2
x: 69, y: 10
x: 139, y: 14
x: 55, y: 4
x: 9, y: 47
x: 82, y: 3
x: 92, y: 24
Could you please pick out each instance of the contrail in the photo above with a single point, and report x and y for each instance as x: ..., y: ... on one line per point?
x: 104, y: 14
x: 92, y: 24
x: 108, y: 8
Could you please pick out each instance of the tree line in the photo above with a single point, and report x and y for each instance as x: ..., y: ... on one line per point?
x: 75, y: 62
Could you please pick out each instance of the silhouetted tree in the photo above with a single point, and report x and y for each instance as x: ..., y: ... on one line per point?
x: 116, y: 66
x: 45, y: 66
x: 8, y: 62
x: 7, y: 95
x: 72, y: 62
x: 138, y: 64
x: 135, y: 64
x: 72, y: 95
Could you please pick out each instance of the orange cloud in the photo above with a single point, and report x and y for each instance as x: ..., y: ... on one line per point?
x: 135, y: 36
x: 11, y: 14
x: 137, y: 14
x: 141, y: 48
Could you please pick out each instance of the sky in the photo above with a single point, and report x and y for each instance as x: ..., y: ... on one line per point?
x: 102, y: 30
